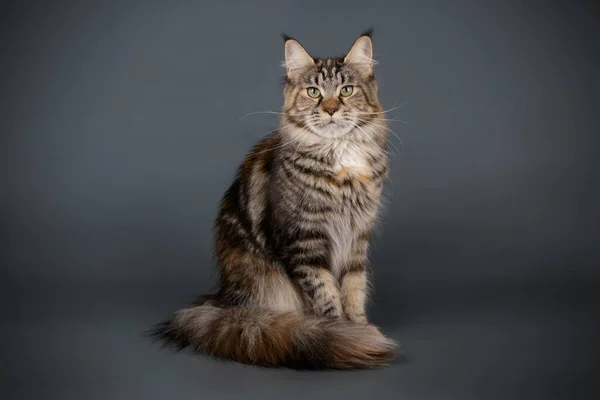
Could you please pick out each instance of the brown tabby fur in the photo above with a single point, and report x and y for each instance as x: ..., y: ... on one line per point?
x: 293, y: 229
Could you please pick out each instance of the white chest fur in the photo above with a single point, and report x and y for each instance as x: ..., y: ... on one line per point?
x: 349, y: 160
x: 352, y: 158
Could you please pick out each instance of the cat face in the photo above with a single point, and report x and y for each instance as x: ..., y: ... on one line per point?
x: 330, y: 97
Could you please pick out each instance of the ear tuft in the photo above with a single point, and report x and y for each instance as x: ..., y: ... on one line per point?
x: 286, y: 37
x: 368, y: 33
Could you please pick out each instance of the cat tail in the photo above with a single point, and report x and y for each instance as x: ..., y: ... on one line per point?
x: 270, y: 338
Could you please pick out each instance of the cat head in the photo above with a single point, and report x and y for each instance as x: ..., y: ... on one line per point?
x: 330, y: 97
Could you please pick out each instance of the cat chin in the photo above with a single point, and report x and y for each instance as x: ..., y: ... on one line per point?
x: 332, y: 131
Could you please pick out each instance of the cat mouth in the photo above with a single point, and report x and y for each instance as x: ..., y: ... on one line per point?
x: 330, y: 122
x: 331, y: 129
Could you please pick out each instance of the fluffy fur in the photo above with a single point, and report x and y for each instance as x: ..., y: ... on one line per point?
x: 293, y: 229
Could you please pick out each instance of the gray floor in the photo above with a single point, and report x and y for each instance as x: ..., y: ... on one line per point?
x: 509, y: 342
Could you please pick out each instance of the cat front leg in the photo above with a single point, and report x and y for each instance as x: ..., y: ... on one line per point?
x: 354, y: 281
x: 308, y: 265
x: 354, y: 294
x: 320, y: 289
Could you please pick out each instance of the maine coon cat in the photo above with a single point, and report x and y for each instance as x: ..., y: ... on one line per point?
x: 293, y: 229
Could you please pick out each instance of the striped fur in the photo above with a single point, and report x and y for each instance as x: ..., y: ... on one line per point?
x: 293, y: 229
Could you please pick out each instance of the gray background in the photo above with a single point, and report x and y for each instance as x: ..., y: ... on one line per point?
x: 121, y: 128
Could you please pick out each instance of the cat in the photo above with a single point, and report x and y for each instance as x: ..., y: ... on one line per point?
x: 293, y: 229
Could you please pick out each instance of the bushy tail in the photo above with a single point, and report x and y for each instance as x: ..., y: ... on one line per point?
x: 269, y: 338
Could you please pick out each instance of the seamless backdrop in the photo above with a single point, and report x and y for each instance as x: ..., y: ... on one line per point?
x: 122, y: 123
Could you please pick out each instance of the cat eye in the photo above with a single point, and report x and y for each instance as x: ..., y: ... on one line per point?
x: 313, y: 92
x: 346, y: 91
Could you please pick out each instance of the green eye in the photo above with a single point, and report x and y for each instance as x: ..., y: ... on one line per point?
x: 346, y: 91
x: 313, y: 92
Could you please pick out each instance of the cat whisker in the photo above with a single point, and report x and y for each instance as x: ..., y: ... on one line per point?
x: 384, y: 127
x: 261, y: 112
x: 291, y: 141
x: 388, y: 129
x: 276, y: 147
x: 385, y: 119
x: 391, y: 109
x: 395, y: 108
x: 275, y: 130
x: 368, y: 137
x: 266, y: 133
x: 297, y: 147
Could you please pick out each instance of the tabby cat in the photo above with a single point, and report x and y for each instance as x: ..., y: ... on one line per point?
x: 294, y: 227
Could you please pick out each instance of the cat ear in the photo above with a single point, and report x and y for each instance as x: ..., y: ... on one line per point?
x: 361, y: 54
x: 296, y: 57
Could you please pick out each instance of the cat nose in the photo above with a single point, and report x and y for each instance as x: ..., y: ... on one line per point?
x: 330, y: 105
x: 330, y: 110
